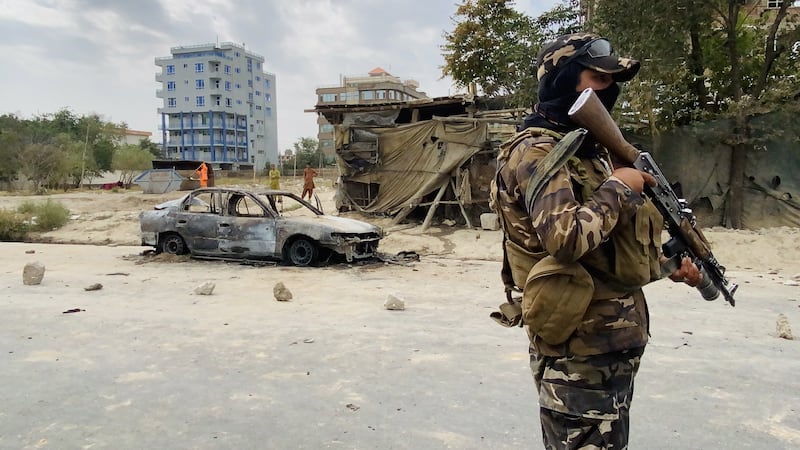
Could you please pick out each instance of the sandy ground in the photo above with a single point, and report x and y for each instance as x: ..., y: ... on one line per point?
x: 146, y: 363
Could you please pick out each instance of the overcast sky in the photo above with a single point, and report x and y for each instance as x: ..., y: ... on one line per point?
x: 97, y: 56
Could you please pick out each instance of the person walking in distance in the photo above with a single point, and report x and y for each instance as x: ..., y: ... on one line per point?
x: 580, y: 241
x: 308, y: 181
x: 274, y: 178
x: 202, y: 173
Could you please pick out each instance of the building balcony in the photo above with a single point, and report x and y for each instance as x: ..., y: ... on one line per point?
x: 160, y: 93
x: 159, y: 77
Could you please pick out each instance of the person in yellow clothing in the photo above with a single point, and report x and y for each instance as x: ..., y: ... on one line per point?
x: 274, y: 177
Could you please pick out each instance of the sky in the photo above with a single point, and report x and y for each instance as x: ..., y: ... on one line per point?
x: 97, y: 56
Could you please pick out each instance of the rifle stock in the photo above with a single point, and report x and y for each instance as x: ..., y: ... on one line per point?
x: 685, y: 238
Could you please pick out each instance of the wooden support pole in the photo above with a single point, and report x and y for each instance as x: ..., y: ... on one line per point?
x: 432, y: 209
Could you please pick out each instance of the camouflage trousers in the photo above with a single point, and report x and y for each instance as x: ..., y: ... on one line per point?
x: 584, y: 401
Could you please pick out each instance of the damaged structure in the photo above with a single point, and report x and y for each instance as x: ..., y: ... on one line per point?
x: 431, y: 157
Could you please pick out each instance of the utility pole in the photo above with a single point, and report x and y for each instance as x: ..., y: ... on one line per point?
x: 83, y: 157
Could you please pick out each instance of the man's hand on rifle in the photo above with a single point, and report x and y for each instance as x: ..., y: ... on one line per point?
x: 687, y: 273
x: 634, y: 179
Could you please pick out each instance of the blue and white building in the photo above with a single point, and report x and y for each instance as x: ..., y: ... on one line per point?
x: 219, y: 106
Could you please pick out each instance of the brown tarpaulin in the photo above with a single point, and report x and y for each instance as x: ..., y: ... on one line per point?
x: 416, y: 159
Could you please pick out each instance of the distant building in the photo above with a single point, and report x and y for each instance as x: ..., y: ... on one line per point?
x: 219, y: 106
x: 133, y: 137
x: 377, y: 88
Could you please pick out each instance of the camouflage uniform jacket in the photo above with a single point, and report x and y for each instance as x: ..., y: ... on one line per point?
x: 572, y: 224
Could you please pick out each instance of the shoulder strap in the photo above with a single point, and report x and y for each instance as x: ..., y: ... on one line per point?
x: 550, y: 164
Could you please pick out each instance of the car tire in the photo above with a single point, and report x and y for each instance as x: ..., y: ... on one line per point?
x: 173, y: 244
x: 302, y: 252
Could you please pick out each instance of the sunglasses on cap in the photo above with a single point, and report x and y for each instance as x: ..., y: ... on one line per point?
x: 596, y: 48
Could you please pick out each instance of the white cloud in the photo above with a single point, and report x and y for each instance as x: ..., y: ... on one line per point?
x: 98, y: 55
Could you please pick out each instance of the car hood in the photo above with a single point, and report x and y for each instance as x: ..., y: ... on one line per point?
x: 338, y: 224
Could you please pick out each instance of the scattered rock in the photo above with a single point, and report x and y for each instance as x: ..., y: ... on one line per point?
x: 449, y: 222
x: 352, y: 407
x: 30, y: 252
x: 93, y: 287
x: 205, y: 289
x: 32, y: 274
x: 281, y: 292
x: 393, y: 303
x: 490, y: 221
x: 796, y: 277
x: 73, y: 310
x: 308, y: 340
x: 791, y: 283
x: 783, y: 328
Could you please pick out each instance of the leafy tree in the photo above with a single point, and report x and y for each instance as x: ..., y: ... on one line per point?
x: 152, y: 147
x: 706, y: 60
x: 307, y: 151
x: 131, y: 160
x: 494, y: 46
x: 43, y: 164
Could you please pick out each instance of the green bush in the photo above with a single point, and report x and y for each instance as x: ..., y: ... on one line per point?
x: 46, y: 216
x: 13, y: 226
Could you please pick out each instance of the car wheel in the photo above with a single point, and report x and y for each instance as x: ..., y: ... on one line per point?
x: 302, y: 252
x: 173, y: 244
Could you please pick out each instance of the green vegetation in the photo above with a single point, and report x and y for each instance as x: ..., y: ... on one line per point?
x: 15, y: 225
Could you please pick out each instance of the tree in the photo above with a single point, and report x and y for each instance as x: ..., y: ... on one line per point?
x: 307, y: 151
x: 150, y: 146
x: 495, y: 47
x: 703, y: 60
x: 43, y: 164
x: 131, y: 160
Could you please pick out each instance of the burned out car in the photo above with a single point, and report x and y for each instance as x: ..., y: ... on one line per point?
x: 233, y: 223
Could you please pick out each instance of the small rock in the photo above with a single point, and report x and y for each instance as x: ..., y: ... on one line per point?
x: 93, y: 287
x: 393, y: 303
x: 490, y: 221
x: 205, y: 289
x: 783, y: 329
x: 281, y: 292
x: 32, y: 274
x: 791, y: 283
x: 30, y: 252
x: 449, y: 222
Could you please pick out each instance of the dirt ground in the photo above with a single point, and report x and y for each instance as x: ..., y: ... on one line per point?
x: 144, y: 362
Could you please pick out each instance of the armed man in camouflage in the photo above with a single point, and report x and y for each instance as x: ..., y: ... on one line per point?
x: 579, y: 246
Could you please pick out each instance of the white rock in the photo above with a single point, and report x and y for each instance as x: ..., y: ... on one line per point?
x: 490, y: 221
x: 205, y: 289
x: 32, y: 274
x: 393, y: 303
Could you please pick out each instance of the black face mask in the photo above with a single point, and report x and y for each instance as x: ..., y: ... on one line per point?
x: 555, y: 110
x: 608, y: 96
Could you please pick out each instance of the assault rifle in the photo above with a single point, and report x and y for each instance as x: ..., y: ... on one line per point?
x: 685, y: 238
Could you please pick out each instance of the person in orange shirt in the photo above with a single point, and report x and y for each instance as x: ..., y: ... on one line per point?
x: 202, y: 172
x: 308, y: 181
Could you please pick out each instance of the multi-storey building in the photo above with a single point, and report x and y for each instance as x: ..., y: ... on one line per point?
x: 219, y: 106
x: 378, y: 87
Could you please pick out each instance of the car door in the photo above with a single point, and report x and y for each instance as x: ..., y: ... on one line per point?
x: 198, y: 219
x: 250, y: 228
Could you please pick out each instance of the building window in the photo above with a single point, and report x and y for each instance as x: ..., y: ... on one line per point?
x: 237, y: 54
x: 249, y: 83
x: 367, y: 95
x: 228, y: 102
x: 186, y: 99
x: 238, y: 86
x: 380, y: 95
x: 326, y: 98
x: 258, y: 65
x: 199, y: 67
x: 228, y: 69
x: 200, y: 84
x: 171, y: 102
x: 227, y: 85
x: 258, y: 107
x: 170, y: 69
x: 170, y: 85
x: 238, y: 70
x: 268, y: 111
x: 268, y: 97
x: 258, y: 93
x: 258, y: 78
x: 250, y: 97
x: 249, y: 65
x: 238, y: 102
x: 201, y: 101
x: 266, y: 83
x: 327, y: 128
